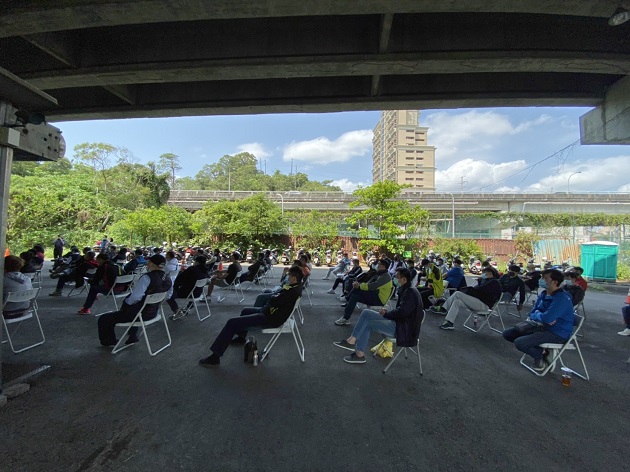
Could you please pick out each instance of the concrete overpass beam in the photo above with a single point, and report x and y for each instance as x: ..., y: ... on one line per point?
x: 609, y: 123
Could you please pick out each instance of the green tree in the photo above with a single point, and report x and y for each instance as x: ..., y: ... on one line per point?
x: 98, y: 156
x: 169, y: 163
x: 313, y: 227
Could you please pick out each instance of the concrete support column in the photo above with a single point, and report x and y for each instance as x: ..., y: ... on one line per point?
x: 609, y: 123
x: 6, y: 161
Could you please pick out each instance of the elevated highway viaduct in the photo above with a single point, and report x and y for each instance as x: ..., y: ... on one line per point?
x: 438, y: 202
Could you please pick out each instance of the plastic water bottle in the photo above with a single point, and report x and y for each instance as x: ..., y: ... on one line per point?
x: 255, y: 357
x: 475, y: 321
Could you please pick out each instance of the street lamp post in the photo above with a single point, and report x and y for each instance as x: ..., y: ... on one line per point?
x: 452, y: 215
x: 281, y: 203
x: 569, y: 181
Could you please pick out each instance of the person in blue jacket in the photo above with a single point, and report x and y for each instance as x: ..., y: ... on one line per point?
x: 553, y: 311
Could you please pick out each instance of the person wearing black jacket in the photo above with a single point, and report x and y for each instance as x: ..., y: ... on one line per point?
x: 102, y: 281
x: 272, y: 315
x: 347, y: 278
x: 481, y: 297
x: 403, y: 322
x: 512, y: 283
x: 184, y: 283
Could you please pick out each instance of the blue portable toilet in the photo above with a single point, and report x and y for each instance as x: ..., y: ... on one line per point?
x: 599, y: 260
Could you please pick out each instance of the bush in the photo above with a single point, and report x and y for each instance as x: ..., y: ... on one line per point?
x: 623, y: 271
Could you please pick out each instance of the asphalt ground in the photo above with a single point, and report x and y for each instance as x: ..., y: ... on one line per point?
x: 475, y: 408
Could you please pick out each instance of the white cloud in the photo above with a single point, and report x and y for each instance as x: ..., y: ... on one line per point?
x: 257, y: 149
x: 471, y: 130
x: 595, y: 175
x: 348, y: 186
x: 324, y: 151
x: 475, y: 174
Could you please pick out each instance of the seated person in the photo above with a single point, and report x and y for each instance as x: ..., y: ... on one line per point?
x: 77, y: 274
x: 401, y: 322
x: 479, y: 298
x: 512, y: 283
x: 120, y: 257
x: 102, y: 281
x: 134, y: 262
x: 396, y: 263
x: 531, y: 280
x: 411, y: 265
x: 253, y: 269
x: 64, y: 262
x: 376, y: 291
x: 29, y: 267
x: 580, y: 281
x: 305, y: 258
x: 184, y: 283
x: 214, y: 260
x: 271, y: 315
x: 347, y: 278
x: 154, y: 281
x: 625, y: 312
x: 434, y: 285
x: 570, y: 286
x: 553, y: 310
x: 224, y: 278
x: 455, y: 276
x: 439, y: 263
x: 38, y: 251
x: 172, y: 265
x: 15, y: 281
x: 339, y: 268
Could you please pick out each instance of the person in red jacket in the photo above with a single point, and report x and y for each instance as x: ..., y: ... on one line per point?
x: 102, y: 282
x: 580, y: 281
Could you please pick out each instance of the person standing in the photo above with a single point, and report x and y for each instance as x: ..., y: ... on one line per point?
x: 58, y: 249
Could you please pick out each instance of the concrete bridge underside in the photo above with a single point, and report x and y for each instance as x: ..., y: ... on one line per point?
x: 150, y: 58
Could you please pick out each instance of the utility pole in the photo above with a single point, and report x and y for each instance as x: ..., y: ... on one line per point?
x: 296, y: 173
x: 463, y: 182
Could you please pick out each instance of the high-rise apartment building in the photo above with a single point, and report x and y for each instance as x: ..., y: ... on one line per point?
x: 401, y: 152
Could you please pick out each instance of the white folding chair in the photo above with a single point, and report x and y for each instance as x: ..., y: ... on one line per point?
x: 486, y: 315
x: 402, y: 349
x: 155, y: 298
x: 505, y: 304
x: 289, y: 326
x: 556, y: 351
x: 30, y: 312
x: 86, y: 285
x: 120, y: 280
x: 234, y: 286
x: 305, y: 288
x: 191, y: 299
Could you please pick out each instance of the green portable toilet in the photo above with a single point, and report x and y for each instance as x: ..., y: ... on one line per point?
x: 599, y: 260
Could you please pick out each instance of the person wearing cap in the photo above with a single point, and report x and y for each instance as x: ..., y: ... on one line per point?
x: 512, y: 283
x: 346, y: 279
x: 481, y: 297
x: 154, y: 281
x: 376, y: 291
x: 184, y: 283
x: 102, y: 281
x: 224, y: 278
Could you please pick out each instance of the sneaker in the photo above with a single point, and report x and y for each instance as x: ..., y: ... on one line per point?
x: 446, y: 325
x: 342, y: 298
x: 56, y: 293
x: 342, y: 322
x: 438, y: 310
x: 331, y: 291
x: 178, y: 315
x: 325, y: 278
x: 343, y: 344
x: 354, y: 359
x: 625, y: 332
x: 84, y: 311
x: 210, y: 361
x: 539, y: 365
x: 344, y: 304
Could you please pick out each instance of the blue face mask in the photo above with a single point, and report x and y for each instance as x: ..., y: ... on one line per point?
x: 484, y: 276
x: 542, y: 283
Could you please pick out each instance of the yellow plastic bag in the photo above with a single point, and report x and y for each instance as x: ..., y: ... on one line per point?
x: 384, y: 349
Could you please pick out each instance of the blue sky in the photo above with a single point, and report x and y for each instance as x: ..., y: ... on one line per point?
x: 494, y: 150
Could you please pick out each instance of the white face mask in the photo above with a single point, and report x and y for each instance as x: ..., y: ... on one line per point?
x: 568, y: 282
